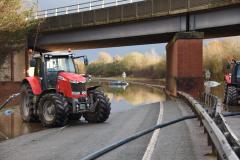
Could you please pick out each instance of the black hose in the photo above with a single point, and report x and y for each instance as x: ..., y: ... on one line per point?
x: 133, y: 137
x: 9, y: 100
x: 230, y: 114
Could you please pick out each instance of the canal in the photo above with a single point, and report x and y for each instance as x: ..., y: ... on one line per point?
x: 122, y: 98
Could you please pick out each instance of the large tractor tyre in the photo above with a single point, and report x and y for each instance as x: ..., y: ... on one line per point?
x: 26, y: 104
x: 103, y: 108
x: 225, y: 94
x: 232, y: 96
x: 52, y: 110
x: 74, y: 117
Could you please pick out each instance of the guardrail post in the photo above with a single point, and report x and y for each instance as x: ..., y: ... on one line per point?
x: 46, y: 14
x: 90, y: 5
x: 103, y: 3
x: 116, y: 2
x: 56, y: 12
x: 209, y: 140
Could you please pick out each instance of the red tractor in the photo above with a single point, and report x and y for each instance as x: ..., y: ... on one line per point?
x: 232, y: 84
x: 56, y: 93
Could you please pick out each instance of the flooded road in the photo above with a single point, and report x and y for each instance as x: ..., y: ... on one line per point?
x: 122, y: 99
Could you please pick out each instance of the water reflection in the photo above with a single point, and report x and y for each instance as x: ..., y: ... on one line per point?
x: 133, y: 95
x: 12, y: 125
x: 122, y: 99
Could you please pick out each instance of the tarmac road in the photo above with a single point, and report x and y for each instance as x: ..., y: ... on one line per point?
x: 181, y: 141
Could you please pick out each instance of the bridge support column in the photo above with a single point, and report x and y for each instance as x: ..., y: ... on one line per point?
x: 185, y: 63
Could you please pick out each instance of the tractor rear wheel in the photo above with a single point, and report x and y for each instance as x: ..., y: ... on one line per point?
x: 103, y: 108
x: 52, y: 110
x: 232, y: 96
x: 26, y: 104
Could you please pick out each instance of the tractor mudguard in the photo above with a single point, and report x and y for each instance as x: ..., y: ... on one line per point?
x: 92, y: 88
x: 228, y: 79
x: 34, y: 83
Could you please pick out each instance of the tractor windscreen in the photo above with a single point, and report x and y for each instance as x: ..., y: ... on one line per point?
x: 60, y: 64
x: 54, y: 65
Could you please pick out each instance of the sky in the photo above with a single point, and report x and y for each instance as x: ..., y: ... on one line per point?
x: 93, y: 53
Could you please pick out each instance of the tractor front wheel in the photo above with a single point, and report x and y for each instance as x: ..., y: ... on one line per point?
x: 26, y: 104
x: 232, y: 96
x: 103, y: 108
x: 52, y: 110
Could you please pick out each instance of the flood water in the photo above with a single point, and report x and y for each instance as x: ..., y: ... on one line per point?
x: 122, y: 99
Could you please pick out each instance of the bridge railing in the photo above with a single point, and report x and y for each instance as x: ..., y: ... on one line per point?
x: 81, y: 7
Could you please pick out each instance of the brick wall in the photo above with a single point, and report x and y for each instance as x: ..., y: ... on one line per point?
x: 184, y: 66
x: 5, y: 70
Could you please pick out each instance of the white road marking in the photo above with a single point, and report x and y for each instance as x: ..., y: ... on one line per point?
x: 150, y: 148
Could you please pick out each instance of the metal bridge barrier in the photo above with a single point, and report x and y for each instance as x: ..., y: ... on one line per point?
x: 212, y: 101
x: 214, y: 127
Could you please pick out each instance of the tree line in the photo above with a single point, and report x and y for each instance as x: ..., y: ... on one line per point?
x: 216, y: 56
x: 134, y: 64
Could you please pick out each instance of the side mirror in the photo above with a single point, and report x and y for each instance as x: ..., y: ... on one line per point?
x: 33, y: 63
x: 85, y: 61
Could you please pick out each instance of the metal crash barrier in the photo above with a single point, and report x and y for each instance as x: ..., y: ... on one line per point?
x: 214, y: 102
x: 216, y: 137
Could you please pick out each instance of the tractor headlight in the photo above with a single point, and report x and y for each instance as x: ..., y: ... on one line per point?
x: 75, y: 93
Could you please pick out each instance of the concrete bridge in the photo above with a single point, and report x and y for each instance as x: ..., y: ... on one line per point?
x: 181, y: 23
x: 150, y: 21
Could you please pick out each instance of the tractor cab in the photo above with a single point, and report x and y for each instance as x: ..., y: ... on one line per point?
x: 48, y: 66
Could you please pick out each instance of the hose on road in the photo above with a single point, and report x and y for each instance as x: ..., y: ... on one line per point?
x: 111, y: 147
x: 230, y: 114
x: 133, y: 137
x: 9, y: 100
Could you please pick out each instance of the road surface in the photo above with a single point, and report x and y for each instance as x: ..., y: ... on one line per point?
x: 182, y: 141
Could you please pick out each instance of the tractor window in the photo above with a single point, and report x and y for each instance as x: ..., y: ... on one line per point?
x: 60, y: 64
